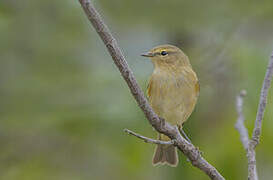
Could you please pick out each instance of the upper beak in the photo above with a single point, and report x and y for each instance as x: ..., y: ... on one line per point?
x: 148, y: 54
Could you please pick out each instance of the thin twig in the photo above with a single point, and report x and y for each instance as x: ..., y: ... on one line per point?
x: 263, y: 100
x: 251, y: 144
x: 251, y: 160
x: 241, y: 119
x: 159, y: 124
x: 149, y: 140
x: 240, y: 126
x: 252, y: 169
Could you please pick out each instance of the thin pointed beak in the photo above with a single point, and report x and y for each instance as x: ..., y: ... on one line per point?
x: 148, y: 54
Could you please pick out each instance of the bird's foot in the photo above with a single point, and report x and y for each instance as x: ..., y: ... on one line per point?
x: 162, y: 122
x: 184, y: 134
x: 200, y: 152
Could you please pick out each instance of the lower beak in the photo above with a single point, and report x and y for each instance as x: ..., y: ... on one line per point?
x: 148, y: 54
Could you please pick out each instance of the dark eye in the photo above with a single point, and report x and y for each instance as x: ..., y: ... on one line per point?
x: 163, y: 53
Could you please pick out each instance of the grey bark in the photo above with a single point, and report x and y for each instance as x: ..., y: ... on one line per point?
x: 250, y: 144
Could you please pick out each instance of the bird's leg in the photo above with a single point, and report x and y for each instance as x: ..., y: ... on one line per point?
x: 185, y: 136
x: 188, y: 139
x: 183, y: 133
x: 162, y: 122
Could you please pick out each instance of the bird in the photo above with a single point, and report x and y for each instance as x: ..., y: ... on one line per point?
x: 172, y: 92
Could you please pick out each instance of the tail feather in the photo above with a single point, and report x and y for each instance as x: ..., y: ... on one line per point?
x: 165, y: 154
x: 158, y: 155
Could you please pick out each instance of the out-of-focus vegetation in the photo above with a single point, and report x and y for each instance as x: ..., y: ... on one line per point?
x: 63, y: 104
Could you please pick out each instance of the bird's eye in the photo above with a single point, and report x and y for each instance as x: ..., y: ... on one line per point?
x: 163, y: 53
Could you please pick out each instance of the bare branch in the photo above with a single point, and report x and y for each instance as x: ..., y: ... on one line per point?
x: 251, y: 144
x: 251, y: 159
x: 159, y: 124
x: 241, y: 119
x: 252, y: 170
x: 263, y: 100
x: 240, y: 126
x: 149, y: 140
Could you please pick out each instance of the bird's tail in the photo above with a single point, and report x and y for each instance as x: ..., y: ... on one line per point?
x: 165, y: 153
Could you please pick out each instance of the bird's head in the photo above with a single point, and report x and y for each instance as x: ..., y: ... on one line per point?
x: 167, y: 55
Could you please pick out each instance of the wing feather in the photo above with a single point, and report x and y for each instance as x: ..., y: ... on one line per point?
x: 197, y: 88
x: 149, y: 88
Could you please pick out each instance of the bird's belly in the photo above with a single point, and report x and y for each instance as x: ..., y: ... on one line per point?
x: 172, y: 102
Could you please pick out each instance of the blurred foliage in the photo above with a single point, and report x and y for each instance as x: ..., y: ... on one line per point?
x: 64, y: 105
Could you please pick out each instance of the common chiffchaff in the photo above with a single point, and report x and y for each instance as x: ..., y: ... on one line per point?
x: 172, y: 91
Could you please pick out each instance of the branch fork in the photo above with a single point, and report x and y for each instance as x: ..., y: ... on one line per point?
x: 250, y: 144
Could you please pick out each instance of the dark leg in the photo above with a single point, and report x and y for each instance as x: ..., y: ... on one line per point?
x: 184, y: 134
x: 162, y: 123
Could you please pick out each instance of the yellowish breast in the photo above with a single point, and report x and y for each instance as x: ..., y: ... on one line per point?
x: 173, y: 94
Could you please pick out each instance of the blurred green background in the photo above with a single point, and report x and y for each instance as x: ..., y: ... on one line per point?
x: 64, y: 105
